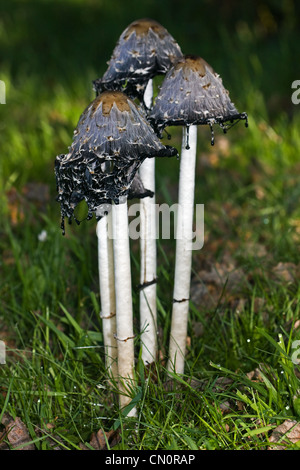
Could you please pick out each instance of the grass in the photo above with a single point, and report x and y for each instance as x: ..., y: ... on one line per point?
x: 240, y: 381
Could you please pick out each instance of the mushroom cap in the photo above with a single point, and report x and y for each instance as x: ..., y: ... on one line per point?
x: 110, y: 142
x: 144, y: 49
x: 138, y: 190
x: 192, y: 93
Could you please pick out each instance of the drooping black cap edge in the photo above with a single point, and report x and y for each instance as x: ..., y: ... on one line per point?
x: 225, y: 123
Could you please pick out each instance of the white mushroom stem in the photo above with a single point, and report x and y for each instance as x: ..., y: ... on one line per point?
x: 124, y: 310
x: 148, y: 312
x: 107, y: 292
x: 183, y: 257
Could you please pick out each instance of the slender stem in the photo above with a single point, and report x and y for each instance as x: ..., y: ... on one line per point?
x: 148, y: 94
x: 107, y: 292
x: 148, y: 310
x: 124, y: 310
x: 183, y: 257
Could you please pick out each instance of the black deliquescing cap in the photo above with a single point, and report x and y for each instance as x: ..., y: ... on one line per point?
x: 111, y: 141
x: 137, y: 189
x: 193, y: 94
x: 145, y: 49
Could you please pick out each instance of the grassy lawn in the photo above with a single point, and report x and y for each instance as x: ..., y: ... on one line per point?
x: 242, y: 378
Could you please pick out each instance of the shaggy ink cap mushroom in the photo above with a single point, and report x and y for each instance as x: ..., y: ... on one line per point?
x: 111, y: 141
x: 192, y: 93
x: 145, y: 49
x: 137, y: 189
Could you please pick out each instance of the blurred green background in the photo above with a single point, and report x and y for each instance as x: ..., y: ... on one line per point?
x: 52, y: 50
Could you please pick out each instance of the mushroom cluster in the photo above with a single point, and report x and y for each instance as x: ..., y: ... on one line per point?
x: 191, y: 94
x: 144, y: 50
x: 112, y: 159
x: 111, y: 141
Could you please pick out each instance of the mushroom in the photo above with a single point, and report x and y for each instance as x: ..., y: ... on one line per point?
x: 148, y: 256
x: 191, y: 94
x: 145, y: 49
x: 106, y: 275
x: 107, y: 290
x: 111, y: 141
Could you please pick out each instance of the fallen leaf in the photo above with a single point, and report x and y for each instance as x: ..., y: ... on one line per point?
x: 287, y: 272
x: 19, y: 202
x: 286, y: 433
x: 255, y: 375
x: 16, y: 212
x: 207, y: 287
x: 100, y: 439
x: 225, y: 407
x: 50, y: 426
x: 17, y: 433
x: 240, y: 405
x: 297, y: 324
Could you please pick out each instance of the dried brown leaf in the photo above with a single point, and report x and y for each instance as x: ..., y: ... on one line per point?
x: 297, y: 324
x: 100, y: 439
x: 208, y: 287
x: 240, y: 405
x: 17, y: 433
x: 286, y: 433
x: 255, y: 375
x: 18, y: 203
x: 287, y: 272
x: 225, y: 407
